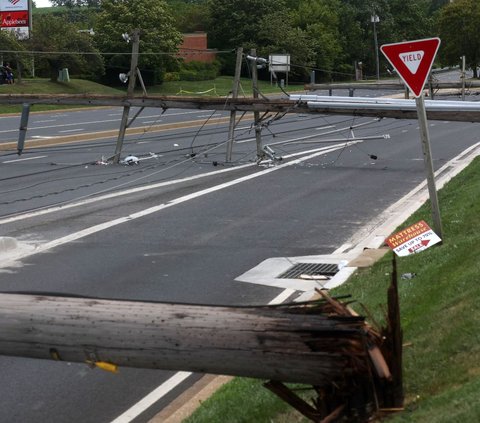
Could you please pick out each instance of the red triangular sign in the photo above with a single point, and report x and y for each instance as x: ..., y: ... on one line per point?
x: 413, y: 61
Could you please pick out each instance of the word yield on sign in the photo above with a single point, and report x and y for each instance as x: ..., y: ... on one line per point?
x: 413, y: 61
x: 415, y: 238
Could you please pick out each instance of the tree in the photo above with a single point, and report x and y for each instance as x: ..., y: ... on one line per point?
x: 190, y: 16
x: 399, y: 20
x: 320, y: 20
x: 277, y: 35
x: 458, y: 26
x: 237, y: 23
x: 14, y: 47
x: 64, y: 47
x: 159, y: 39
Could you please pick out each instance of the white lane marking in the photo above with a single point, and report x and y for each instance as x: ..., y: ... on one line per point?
x: 93, y: 122
x: 152, y: 397
x: 210, y: 116
x: 183, y: 113
x: 164, y: 114
x: 71, y: 130
x: 158, y: 393
x: 31, y: 128
x: 15, y: 256
x: 43, y: 137
x: 22, y: 160
x: 370, y: 236
x: 146, y: 188
x: 45, y: 121
x: 280, y: 298
x: 296, y: 139
x: 114, y: 195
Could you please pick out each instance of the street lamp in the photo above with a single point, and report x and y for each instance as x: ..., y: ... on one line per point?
x: 375, y: 19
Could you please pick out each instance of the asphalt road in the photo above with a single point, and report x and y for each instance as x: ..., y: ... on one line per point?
x: 206, y: 230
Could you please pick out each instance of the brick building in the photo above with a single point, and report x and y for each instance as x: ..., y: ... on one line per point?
x: 194, y: 48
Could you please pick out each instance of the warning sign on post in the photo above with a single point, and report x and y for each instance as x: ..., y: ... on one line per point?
x: 411, y: 240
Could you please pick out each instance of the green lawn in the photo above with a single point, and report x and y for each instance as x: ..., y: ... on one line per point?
x: 440, y: 319
x: 45, y: 86
x: 218, y: 87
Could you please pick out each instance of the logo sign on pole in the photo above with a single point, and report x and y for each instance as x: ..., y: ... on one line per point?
x: 411, y: 240
x: 413, y: 61
x: 12, y: 19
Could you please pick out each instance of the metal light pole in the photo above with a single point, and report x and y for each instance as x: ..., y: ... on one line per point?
x: 375, y: 19
x: 463, y: 78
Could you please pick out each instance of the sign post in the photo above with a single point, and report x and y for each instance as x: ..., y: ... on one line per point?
x: 413, y: 61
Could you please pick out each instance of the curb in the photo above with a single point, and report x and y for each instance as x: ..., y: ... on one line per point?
x: 185, y: 404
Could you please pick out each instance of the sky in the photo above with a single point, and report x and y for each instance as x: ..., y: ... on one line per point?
x: 42, y: 3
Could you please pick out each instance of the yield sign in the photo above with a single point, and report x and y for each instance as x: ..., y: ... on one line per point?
x: 413, y: 61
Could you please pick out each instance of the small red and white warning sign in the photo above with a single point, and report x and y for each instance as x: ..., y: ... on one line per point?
x: 413, y: 61
x: 411, y: 240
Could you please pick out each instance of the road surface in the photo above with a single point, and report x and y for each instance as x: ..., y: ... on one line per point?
x: 183, y: 225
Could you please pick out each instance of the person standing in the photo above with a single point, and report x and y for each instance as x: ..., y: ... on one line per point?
x: 9, y: 72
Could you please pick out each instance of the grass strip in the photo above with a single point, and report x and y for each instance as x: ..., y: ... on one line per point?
x: 440, y: 319
x: 219, y: 87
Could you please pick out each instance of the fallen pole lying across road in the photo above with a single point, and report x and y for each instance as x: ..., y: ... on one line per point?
x: 462, y: 111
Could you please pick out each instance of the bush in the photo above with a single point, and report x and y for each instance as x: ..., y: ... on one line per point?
x: 171, y: 76
x: 199, y: 71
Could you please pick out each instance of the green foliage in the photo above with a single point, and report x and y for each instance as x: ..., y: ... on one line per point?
x: 399, y: 20
x: 458, y: 26
x: 326, y: 35
x: 439, y: 312
x: 237, y: 23
x: 439, y: 308
x: 229, y: 404
x: 190, y: 16
x: 14, y: 48
x: 46, y: 86
x: 171, y: 76
x: 321, y: 21
x: 159, y: 39
x: 278, y: 36
x: 198, y: 71
x: 64, y: 47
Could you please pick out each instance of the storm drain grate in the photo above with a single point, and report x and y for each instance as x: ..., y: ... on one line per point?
x: 310, y: 269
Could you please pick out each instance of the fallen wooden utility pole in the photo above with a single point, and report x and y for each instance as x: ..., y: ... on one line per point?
x: 288, y: 343
x: 457, y: 111
x: 321, y: 343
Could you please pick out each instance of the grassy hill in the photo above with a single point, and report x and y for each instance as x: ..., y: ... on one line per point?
x: 45, y: 86
x: 440, y: 319
x: 218, y: 87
